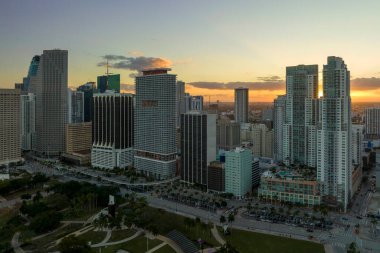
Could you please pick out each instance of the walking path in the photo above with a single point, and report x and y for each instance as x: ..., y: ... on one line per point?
x: 16, y: 244
x: 104, y: 243
x: 171, y: 243
x: 217, y: 236
x: 157, y: 247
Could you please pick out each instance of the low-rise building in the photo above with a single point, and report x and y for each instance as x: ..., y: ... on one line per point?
x: 287, y: 186
x: 215, y: 176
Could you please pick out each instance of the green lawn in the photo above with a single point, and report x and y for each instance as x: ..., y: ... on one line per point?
x: 137, y: 245
x: 250, y: 242
x: 118, y: 235
x: 165, y: 249
x: 93, y: 236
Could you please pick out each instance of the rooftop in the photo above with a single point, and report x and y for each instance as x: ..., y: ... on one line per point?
x: 155, y: 71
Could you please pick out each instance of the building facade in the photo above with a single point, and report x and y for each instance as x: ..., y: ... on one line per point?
x: 10, y: 129
x: 180, y: 96
x: 227, y: 134
x: 113, y: 129
x: 28, y: 121
x: 215, y: 176
x: 109, y: 82
x: 155, y: 124
x: 238, y: 172
x: 241, y: 105
x: 278, y: 123
x: 50, y: 88
x: 88, y: 90
x: 259, y: 137
x: 198, y: 145
x: 334, y: 157
x: 372, y: 120
x: 357, y: 143
x: 75, y: 103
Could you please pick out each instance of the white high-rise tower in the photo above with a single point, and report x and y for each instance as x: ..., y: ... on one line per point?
x: 334, y: 163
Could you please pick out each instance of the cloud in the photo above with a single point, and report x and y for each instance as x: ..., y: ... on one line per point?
x: 136, y: 53
x: 270, y: 79
x: 363, y: 84
x: 134, y: 63
x: 267, y: 85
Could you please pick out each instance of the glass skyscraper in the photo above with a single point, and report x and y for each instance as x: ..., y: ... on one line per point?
x: 109, y: 82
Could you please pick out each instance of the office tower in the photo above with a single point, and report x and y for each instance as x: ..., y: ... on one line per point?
x: 180, y: 96
x: 198, y: 145
x: 113, y: 130
x: 19, y: 86
x: 215, y: 176
x: 155, y: 123
x: 299, y: 143
x: 255, y: 172
x: 78, y: 143
x: 28, y: 121
x: 75, y: 103
x: 88, y: 90
x: 193, y: 103
x: 372, y: 120
x: 227, y: 134
x: 32, y: 72
x: 259, y: 137
x: 109, y: 82
x: 278, y: 122
x: 238, y: 169
x: 357, y: 142
x: 241, y: 105
x: 334, y: 164
x: 10, y: 149
x: 50, y: 87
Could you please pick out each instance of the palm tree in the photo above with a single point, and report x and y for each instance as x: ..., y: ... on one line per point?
x: 222, y: 219
x: 231, y: 217
x: 352, y: 248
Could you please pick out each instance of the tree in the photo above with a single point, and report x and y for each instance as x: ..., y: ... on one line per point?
x: 352, y: 248
x: 231, y: 217
x: 37, y: 197
x: 45, y: 222
x: 72, y: 244
x: 222, y: 219
x: 26, y: 196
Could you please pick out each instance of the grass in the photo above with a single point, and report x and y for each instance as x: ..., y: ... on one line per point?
x: 137, y: 245
x: 250, y: 242
x: 165, y: 249
x: 93, y: 236
x: 166, y: 222
x: 6, y: 214
x: 118, y: 235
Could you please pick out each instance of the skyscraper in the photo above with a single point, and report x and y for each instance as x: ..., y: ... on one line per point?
x: 75, y: 105
x: 278, y: 123
x: 198, y: 145
x: 155, y: 123
x: 113, y: 130
x: 193, y: 103
x: 227, y: 134
x: 50, y: 87
x: 28, y: 121
x: 372, y: 120
x: 181, y: 107
x: 334, y: 157
x: 299, y: 144
x: 260, y: 138
x: 33, y: 67
x: 88, y: 91
x: 241, y: 105
x: 10, y: 150
x: 357, y: 143
x: 109, y: 82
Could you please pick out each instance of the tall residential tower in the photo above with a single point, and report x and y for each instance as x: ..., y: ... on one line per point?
x: 241, y: 105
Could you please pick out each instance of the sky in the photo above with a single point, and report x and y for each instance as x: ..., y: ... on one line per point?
x: 212, y: 45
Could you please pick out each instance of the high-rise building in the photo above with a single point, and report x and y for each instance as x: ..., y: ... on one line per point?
x: 278, y: 123
x: 50, y: 87
x: 227, y: 134
x: 357, y: 143
x: 113, y: 129
x: 28, y: 121
x: 334, y: 166
x: 33, y: 67
x: 193, y: 103
x: 88, y: 90
x: 238, y: 169
x: 299, y: 143
x: 215, y: 176
x: 109, y: 82
x: 372, y: 120
x: 10, y: 149
x: 181, y: 106
x: 198, y: 145
x: 155, y: 123
x: 241, y: 105
x: 78, y: 143
x: 75, y: 103
x: 255, y: 172
x: 259, y: 137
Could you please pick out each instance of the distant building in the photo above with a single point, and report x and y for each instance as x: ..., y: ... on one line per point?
x: 109, y: 82
x: 10, y: 129
x: 75, y: 110
x: 180, y: 96
x: 28, y: 121
x: 198, y: 145
x: 49, y: 85
x: 241, y: 105
x: 193, y: 103
x: 227, y: 134
x: 267, y: 114
x: 155, y: 124
x: 113, y: 129
x: 260, y: 138
x: 215, y: 176
x: 238, y: 169
x: 284, y: 186
x: 32, y: 72
x: 78, y: 143
x: 213, y: 108
x: 372, y: 126
x: 88, y: 90
x: 377, y: 169
x: 255, y: 172
x: 278, y: 124
x: 357, y: 140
